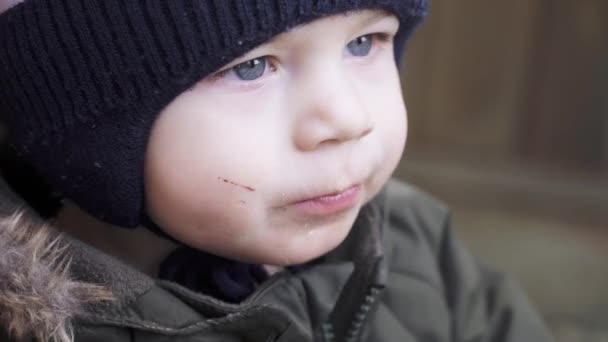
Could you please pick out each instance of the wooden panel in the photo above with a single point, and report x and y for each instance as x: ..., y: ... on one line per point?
x: 470, y: 66
x: 565, y: 118
x: 521, y: 79
x: 601, y: 96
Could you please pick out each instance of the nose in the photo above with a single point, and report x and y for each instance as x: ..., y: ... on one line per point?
x: 330, y: 112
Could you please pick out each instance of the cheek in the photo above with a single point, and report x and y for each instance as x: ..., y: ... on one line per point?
x: 396, y: 113
x: 384, y: 101
x: 201, y: 167
x: 379, y: 83
x: 397, y: 129
x: 200, y: 140
x: 392, y: 130
x: 386, y: 105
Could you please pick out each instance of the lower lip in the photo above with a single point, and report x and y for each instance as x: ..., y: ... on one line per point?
x: 331, y: 204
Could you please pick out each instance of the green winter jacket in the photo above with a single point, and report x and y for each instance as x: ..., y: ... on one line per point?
x: 400, y: 276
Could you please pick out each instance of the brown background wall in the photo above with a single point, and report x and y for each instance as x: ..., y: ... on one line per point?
x: 508, y: 108
x: 523, y: 80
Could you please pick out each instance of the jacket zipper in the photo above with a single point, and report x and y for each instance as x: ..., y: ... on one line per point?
x: 359, y: 310
x: 364, y: 286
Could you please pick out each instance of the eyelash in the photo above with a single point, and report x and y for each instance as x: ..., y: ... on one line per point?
x: 379, y: 40
x: 223, y: 73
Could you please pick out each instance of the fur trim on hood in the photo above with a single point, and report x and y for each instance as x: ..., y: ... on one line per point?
x: 38, y: 298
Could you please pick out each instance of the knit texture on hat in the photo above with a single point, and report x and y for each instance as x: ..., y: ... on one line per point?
x: 84, y: 80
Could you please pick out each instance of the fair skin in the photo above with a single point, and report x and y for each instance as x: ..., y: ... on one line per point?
x: 227, y: 160
x: 247, y: 164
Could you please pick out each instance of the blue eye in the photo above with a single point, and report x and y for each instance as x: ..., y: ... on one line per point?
x: 361, y: 46
x: 251, y: 70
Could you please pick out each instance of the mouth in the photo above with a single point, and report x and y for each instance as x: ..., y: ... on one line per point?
x: 329, y: 203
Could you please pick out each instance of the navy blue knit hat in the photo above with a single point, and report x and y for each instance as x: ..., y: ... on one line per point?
x: 82, y: 81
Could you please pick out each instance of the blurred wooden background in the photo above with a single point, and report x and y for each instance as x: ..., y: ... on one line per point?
x: 517, y: 91
x: 508, y: 110
x: 523, y: 80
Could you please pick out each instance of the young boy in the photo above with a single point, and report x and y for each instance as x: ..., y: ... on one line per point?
x: 248, y: 144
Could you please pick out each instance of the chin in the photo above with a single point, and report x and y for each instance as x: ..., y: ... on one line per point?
x: 315, y: 244
x: 291, y: 259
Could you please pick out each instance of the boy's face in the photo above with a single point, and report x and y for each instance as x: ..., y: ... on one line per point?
x: 244, y: 165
